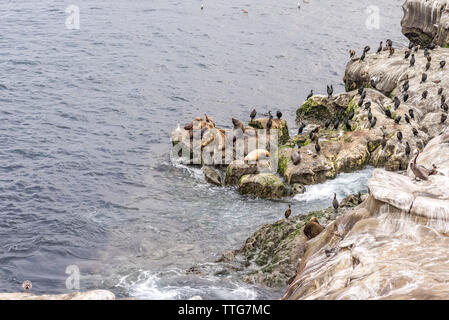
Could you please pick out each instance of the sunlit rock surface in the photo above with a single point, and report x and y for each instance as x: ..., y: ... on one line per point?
x: 425, y: 21
x: 393, y: 246
x: 88, y: 295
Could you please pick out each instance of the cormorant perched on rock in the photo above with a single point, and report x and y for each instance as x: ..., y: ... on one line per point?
x: 388, y: 113
x: 427, y: 65
x: 407, y: 149
x: 351, y: 54
x: 423, y: 77
x: 335, y: 202
x: 330, y: 90
x: 411, y: 113
x: 397, y: 103
x: 429, y: 58
x: 399, y: 135
x: 373, y: 84
x: 373, y: 122
x: 424, y: 94
x: 348, y: 126
x: 360, y: 91
x: 310, y: 95
x: 443, y: 117
x: 296, y: 157
x: 440, y: 91
x: 445, y: 107
x: 407, y: 54
x: 301, y: 128
x: 411, y: 45
x: 351, y: 114
x: 384, y: 141
x: 288, y: 212
x: 367, y: 105
x: 360, y: 103
x: 418, y: 171
x: 443, y: 98
x: 406, y: 85
x: 363, y: 95
x: 406, y: 117
x: 370, y: 115
x: 417, y: 48
x: 432, y: 45
x: 253, y: 114
x: 415, y: 132
x: 317, y: 147
x: 405, y: 97
x: 442, y: 64
x: 412, y: 60
x: 312, y: 228
x: 366, y: 49
x: 269, y: 122
x: 389, y: 43
x: 397, y: 120
x: 359, y: 198
x: 327, y: 124
x: 336, y: 123
x: 379, y: 50
x: 362, y: 57
x: 426, y: 52
x: 279, y: 115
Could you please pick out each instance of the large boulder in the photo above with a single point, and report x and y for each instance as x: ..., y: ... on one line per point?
x: 263, y: 185
x: 426, y: 21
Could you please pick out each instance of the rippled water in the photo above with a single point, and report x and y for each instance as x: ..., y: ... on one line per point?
x: 85, y: 116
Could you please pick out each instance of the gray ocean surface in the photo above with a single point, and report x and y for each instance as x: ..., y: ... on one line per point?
x: 85, y: 116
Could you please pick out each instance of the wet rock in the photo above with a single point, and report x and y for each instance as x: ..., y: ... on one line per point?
x: 272, y: 254
x: 263, y: 185
x: 212, y: 176
x: 239, y: 168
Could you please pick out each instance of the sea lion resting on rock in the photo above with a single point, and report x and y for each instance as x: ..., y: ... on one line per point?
x: 313, y: 228
x: 257, y: 154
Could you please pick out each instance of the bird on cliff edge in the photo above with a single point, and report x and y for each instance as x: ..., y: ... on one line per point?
x: 335, y: 203
x: 330, y: 91
x: 253, y: 114
x: 288, y: 212
x: 379, y: 50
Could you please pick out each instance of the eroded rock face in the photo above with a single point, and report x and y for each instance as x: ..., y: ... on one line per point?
x: 425, y: 21
x: 393, y: 246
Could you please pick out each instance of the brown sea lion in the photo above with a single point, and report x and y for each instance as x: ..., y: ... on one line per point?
x: 313, y: 228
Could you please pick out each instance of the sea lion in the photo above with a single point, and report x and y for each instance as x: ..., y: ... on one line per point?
x: 313, y: 228
x: 257, y: 154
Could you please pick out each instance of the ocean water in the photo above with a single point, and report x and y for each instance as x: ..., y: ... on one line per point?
x: 85, y: 116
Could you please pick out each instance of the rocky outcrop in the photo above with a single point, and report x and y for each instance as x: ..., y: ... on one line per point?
x: 263, y: 185
x: 88, y: 295
x: 393, y: 246
x: 426, y: 21
x: 272, y: 254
